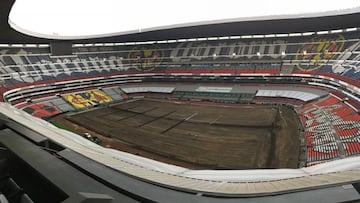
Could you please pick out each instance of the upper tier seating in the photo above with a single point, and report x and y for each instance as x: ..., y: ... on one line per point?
x: 337, y: 54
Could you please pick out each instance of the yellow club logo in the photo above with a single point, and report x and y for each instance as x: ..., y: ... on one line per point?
x: 316, y: 54
x: 145, y: 59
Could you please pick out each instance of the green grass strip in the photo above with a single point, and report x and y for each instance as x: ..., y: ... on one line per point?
x: 62, y: 126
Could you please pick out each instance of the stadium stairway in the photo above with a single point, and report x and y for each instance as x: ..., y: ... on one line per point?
x: 287, y: 69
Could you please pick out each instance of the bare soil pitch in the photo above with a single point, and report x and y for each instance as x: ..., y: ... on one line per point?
x: 199, y: 136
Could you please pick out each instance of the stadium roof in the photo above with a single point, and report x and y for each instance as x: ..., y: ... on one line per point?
x: 231, y: 26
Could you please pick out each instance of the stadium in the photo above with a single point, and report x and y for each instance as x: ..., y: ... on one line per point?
x: 224, y: 111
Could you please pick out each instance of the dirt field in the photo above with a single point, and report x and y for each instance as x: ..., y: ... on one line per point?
x: 198, y: 135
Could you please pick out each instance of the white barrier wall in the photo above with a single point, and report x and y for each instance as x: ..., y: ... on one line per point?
x: 303, y: 96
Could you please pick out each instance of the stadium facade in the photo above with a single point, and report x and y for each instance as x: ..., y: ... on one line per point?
x: 309, y: 63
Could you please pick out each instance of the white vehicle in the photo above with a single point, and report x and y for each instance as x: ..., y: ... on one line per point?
x: 87, y: 135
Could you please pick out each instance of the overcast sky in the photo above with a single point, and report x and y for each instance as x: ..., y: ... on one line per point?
x: 90, y: 17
